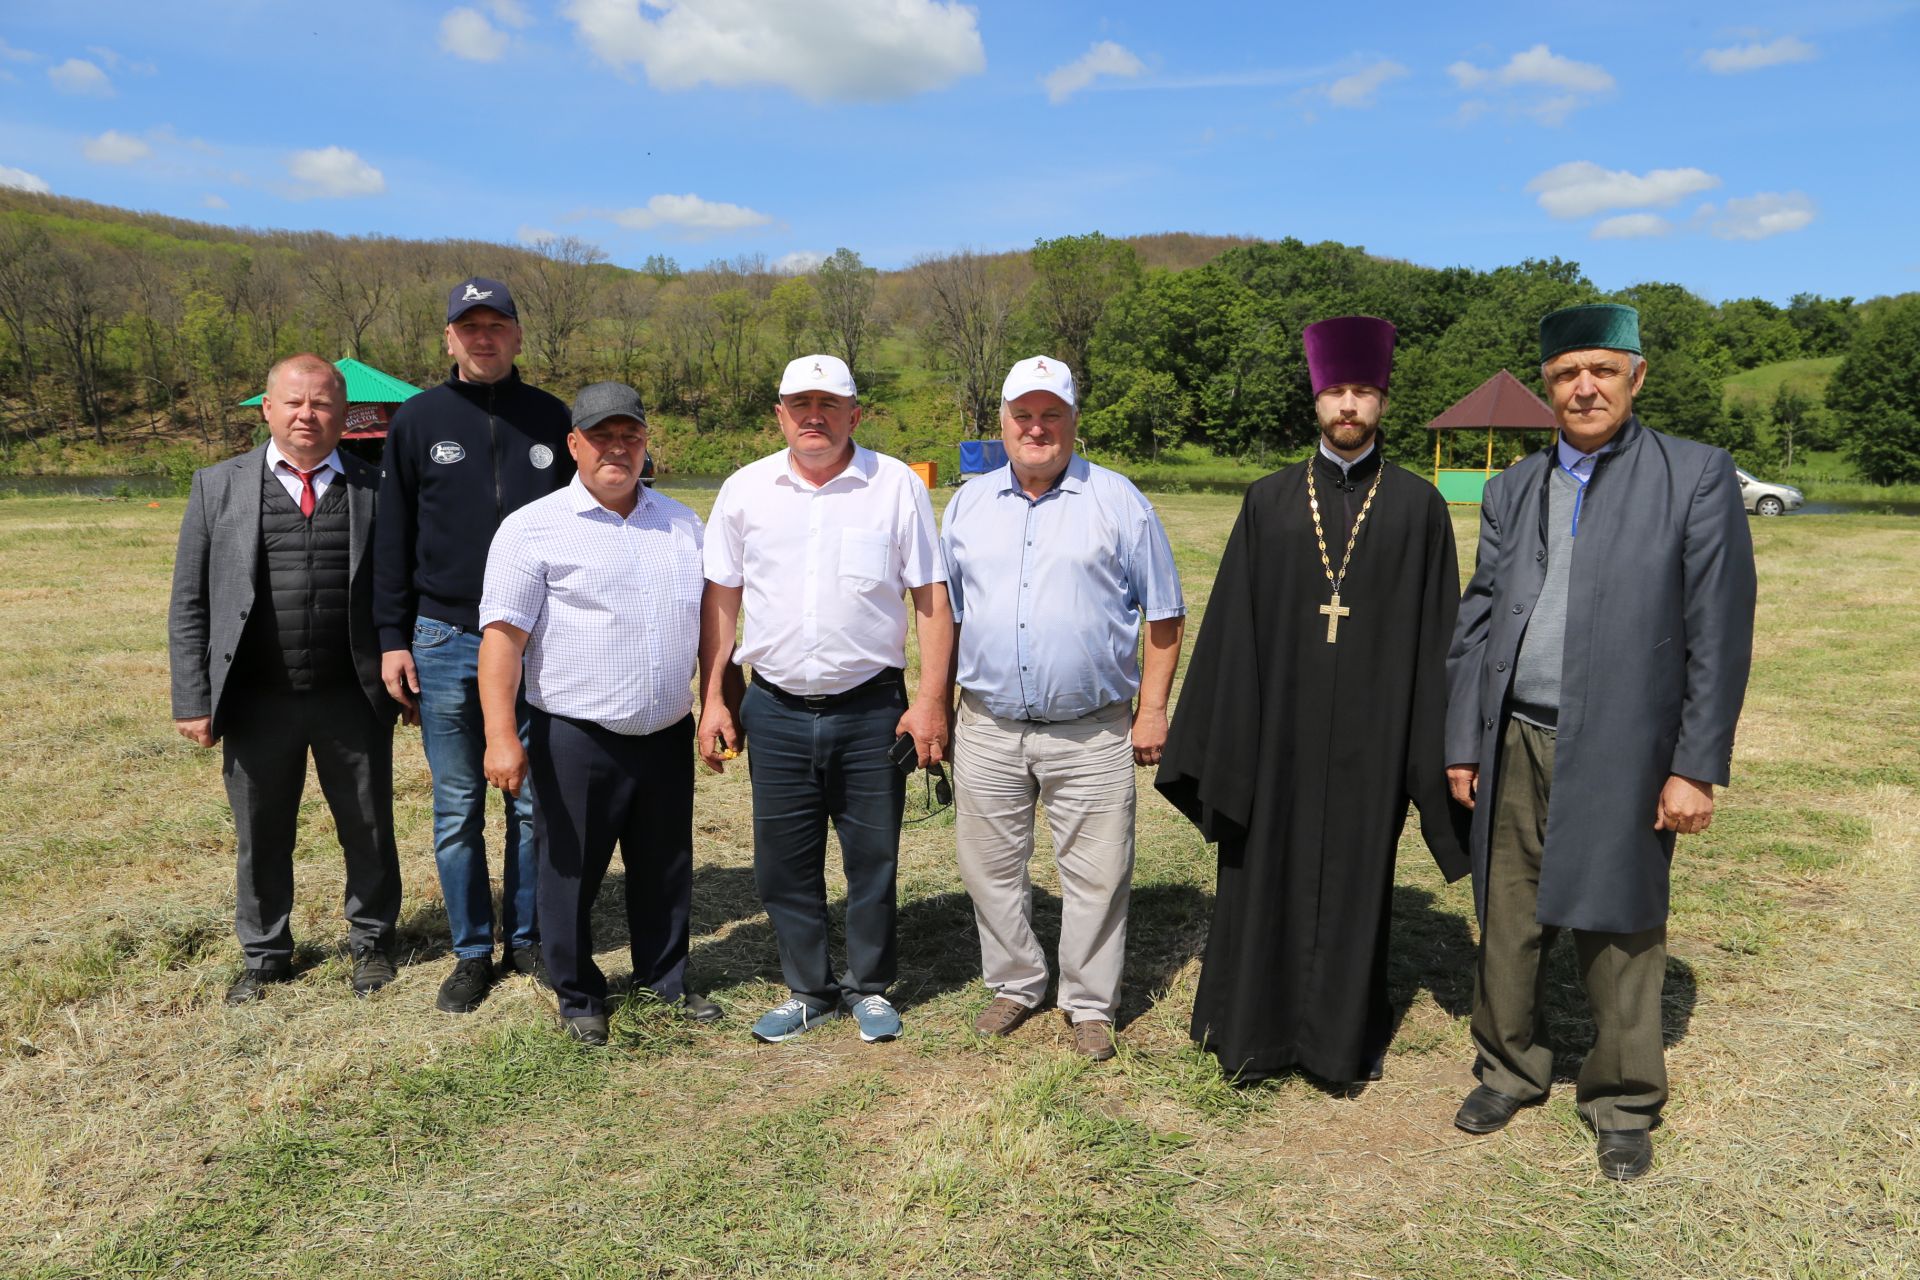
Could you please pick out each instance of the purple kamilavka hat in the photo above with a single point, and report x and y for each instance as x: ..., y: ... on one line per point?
x: 1349, y: 349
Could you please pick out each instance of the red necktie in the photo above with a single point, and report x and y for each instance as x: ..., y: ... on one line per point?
x: 306, y: 486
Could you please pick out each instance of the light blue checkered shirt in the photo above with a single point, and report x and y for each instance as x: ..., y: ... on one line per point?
x: 1049, y: 592
x: 611, y: 606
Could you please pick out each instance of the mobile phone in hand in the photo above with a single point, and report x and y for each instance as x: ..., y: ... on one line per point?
x: 904, y: 754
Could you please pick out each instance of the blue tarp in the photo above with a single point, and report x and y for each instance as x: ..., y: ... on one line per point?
x: 981, y: 455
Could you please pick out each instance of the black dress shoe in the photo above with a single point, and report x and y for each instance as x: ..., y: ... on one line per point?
x: 528, y: 961
x: 698, y: 1008
x: 372, y: 970
x: 252, y: 984
x: 466, y: 986
x: 588, y: 1028
x: 1485, y: 1110
x: 1625, y: 1154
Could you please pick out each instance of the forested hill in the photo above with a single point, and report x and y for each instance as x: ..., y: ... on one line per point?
x: 116, y: 325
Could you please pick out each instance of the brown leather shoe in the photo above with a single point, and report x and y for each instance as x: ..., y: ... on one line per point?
x: 1001, y: 1017
x: 1094, y: 1037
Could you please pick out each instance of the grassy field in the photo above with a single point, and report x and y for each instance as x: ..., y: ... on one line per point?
x: 147, y: 1129
x: 1758, y: 387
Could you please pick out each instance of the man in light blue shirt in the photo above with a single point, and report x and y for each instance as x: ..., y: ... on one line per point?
x: 1051, y: 564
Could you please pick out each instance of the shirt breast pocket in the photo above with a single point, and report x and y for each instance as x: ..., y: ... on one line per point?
x: 863, y: 558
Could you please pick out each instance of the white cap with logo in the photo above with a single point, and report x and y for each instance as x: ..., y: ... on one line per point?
x: 1038, y: 373
x: 818, y: 373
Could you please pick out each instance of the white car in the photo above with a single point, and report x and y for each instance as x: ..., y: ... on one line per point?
x: 1765, y: 499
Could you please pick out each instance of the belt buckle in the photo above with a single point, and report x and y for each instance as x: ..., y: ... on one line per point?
x: 816, y: 701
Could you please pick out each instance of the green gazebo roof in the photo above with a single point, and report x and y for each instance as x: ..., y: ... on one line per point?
x: 366, y: 385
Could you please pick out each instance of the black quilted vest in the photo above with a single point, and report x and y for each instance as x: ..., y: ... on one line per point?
x: 297, y: 636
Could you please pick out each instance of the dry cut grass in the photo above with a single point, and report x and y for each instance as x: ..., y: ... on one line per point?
x: 150, y: 1130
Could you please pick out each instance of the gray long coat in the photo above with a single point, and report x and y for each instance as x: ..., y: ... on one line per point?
x: 1659, y: 641
x: 217, y: 567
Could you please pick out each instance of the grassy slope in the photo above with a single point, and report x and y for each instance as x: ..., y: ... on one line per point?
x: 151, y: 1130
x: 1757, y: 387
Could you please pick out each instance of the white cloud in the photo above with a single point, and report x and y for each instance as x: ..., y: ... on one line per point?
x: 112, y: 147
x: 1357, y: 90
x: 1752, y: 57
x: 1104, y: 59
x: 21, y: 180
x: 1569, y: 83
x: 78, y: 76
x: 333, y: 172
x: 510, y: 13
x: 212, y: 201
x: 826, y: 50
x: 10, y: 54
x: 799, y: 262
x: 1631, y: 226
x: 691, y: 214
x: 466, y: 33
x: 116, y: 62
x: 1581, y: 187
x: 1759, y: 216
x: 529, y: 235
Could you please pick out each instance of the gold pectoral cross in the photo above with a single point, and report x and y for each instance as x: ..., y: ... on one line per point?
x: 1334, y: 613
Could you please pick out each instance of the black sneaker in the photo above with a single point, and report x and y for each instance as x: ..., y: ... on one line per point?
x: 372, y: 970
x: 252, y: 984
x: 526, y: 960
x: 466, y: 986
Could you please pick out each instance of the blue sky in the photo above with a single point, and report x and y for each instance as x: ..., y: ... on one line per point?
x: 1738, y: 149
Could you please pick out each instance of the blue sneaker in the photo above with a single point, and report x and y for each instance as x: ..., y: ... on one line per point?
x: 878, y: 1020
x: 789, y: 1019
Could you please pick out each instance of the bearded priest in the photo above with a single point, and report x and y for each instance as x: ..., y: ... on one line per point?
x: 1314, y: 709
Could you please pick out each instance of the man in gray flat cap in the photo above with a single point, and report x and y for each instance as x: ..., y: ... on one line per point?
x: 598, y: 588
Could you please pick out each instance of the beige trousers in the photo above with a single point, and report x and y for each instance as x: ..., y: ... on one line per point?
x: 1082, y: 771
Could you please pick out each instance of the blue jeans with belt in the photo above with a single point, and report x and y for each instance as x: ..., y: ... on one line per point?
x: 812, y: 766
x: 454, y: 738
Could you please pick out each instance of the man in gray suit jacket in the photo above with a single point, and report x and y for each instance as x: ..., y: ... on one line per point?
x: 271, y: 638
x: 1595, y: 679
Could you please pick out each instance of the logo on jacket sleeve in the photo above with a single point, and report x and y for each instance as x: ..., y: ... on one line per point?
x: 540, y: 456
x: 446, y: 451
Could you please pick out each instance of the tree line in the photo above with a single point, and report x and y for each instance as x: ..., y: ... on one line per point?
x: 116, y: 324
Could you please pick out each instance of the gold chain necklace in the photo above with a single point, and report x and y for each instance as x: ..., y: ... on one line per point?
x: 1336, y: 611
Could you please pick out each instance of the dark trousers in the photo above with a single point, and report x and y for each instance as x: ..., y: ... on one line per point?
x: 594, y: 788
x: 810, y: 767
x: 267, y: 738
x: 1623, y: 1083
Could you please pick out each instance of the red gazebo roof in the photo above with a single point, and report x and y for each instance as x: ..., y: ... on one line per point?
x: 1501, y: 403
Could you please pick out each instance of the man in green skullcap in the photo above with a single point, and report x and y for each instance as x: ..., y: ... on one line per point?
x: 1595, y: 679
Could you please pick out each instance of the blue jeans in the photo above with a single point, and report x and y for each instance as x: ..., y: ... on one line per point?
x: 447, y: 660
x: 810, y: 767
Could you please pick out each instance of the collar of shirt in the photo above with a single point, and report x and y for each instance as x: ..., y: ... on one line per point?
x: 1580, y: 465
x: 1072, y: 480
x: 275, y: 458
x: 1345, y: 466
x: 857, y: 471
x: 584, y: 501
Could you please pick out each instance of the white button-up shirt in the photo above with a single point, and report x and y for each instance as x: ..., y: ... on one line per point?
x: 610, y: 605
x: 824, y: 569
x: 289, y: 475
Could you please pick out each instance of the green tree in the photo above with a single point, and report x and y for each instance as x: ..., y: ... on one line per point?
x: 1074, y: 278
x: 1753, y: 332
x: 1826, y: 325
x: 845, y: 285
x: 1145, y: 413
x: 1876, y: 392
x: 1790, y: 410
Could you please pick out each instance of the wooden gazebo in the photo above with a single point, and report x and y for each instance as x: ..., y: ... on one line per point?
x: 1501, y: 403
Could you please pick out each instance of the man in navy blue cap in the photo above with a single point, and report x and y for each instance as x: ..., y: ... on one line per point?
x: 460, y: 458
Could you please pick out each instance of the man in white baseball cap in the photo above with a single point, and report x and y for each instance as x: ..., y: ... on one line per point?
x: 1052, y: 563
x: 821, y: 542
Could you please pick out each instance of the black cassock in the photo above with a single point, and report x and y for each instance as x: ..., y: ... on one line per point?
x: 1298, y: 757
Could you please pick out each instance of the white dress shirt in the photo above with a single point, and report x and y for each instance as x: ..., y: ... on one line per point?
x: 824, y: 569
x: 290, y: 480
x: 610, y: 605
